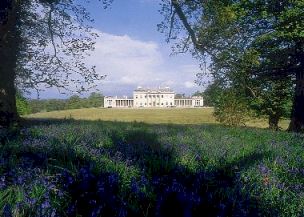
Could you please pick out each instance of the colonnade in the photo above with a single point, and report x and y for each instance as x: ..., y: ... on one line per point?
x: 183, y: 102
x: 124, y: 102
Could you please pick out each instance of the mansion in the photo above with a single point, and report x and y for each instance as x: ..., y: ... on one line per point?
x: 153, y: 98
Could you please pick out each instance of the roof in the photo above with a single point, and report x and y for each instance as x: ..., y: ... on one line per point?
x: 154, y: 90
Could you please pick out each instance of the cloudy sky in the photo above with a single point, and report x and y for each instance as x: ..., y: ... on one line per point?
x: 131, y: 52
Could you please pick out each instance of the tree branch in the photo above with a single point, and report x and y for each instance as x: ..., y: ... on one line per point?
x: 185, y: 22
x: 50, y: 29
x: 8, y: 18
x: 172, y: 13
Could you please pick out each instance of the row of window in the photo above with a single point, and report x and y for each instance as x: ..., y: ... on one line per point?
x: 151, y: 96
x: 154, y: 104
x: 183, y: 102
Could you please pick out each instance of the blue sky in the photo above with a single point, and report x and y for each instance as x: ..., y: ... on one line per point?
x: 131, y: 52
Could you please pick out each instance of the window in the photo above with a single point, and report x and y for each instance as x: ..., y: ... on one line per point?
x: 170, y: 103
x: 150, y: 104
x: 157, y: 96
x: 145, y: 96
x: 162, y: 96
x: 153, y: 96
x: 166, y: 103
x: 150, y: 96
x: 162, y: 104
x: 157, y: 103
x: 136, y: 96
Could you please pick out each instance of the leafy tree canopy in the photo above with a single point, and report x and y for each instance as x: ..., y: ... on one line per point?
x: 247, y: 43
x: 43, y: 42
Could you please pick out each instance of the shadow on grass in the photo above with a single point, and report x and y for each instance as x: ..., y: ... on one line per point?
x: 162, y: 187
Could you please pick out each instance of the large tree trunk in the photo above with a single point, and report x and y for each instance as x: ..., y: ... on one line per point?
x: 297, y: 117
x: 8, y: 110
x: 8, y: 58
x: 273, y: 121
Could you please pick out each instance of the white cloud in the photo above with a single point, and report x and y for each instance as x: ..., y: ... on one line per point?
x: 189, y: 84
x: 129, y: 63
x: 125, y: 60
x: 189, y: 68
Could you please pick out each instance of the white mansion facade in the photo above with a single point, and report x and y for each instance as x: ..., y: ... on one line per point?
x: 150, y: 98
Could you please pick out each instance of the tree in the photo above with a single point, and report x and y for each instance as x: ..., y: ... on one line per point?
x: 23, y: 107
x: 243, y: 39
x: 95, y: 100
x: 230, y: 108
x: 74, y: 102
x: 210, y: 94
x: 179, y: 96
x: 53, y: 104
x: 43, y: 42
x: 8, y: 51
x: 273, y: 99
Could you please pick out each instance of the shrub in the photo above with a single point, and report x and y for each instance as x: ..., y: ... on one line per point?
x: 22, y: 104
x: 230, y: 109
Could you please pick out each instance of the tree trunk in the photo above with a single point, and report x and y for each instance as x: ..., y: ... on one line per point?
x: 297, y: 116
x: 273, y: 121
x: 8, y: 58
x: 8, y: 110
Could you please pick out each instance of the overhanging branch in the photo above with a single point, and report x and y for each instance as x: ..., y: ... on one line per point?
x: 51, y: 30
x: 185, y: 22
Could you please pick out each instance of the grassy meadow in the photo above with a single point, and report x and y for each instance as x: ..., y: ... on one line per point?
x: 100, y: 162
x: 151, y: 116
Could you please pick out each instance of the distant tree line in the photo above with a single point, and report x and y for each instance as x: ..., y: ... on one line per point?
x: 28, y: 106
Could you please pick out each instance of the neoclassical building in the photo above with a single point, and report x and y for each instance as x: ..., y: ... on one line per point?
x: 150, y: 98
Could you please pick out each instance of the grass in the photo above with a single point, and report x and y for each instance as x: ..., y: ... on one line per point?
x: 105, y: 168
x: 152, y: 116
x: 155, y: 116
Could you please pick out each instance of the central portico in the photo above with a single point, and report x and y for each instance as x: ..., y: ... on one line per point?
x: 161, y: 97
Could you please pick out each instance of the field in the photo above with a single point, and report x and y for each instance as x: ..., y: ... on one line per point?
x: 152, y: 116
x: 70, y: 167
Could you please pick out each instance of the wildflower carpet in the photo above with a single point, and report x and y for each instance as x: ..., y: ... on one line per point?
x: 104, y: 168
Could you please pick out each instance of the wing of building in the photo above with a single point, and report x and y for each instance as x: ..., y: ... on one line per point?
x: 150, y: 98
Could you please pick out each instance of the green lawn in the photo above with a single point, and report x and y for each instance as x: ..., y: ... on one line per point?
x: 153, y: 116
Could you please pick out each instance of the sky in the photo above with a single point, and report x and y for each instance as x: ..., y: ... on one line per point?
x: 131, y: 51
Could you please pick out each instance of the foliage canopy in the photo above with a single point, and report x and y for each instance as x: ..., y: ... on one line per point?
x: 248, y: 43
